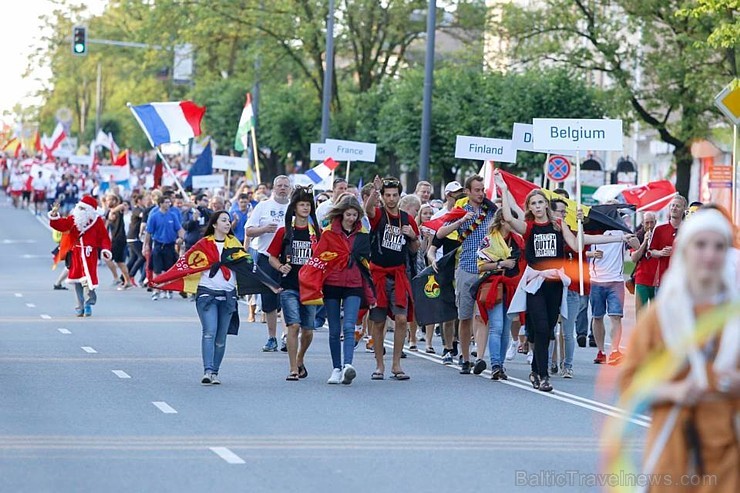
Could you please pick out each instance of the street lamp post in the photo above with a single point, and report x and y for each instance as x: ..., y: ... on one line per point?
x: 426, y: 113
x: 328, y: 73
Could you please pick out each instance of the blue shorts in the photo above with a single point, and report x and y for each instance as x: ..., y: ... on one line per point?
x: 607, y: 298
x: 295, y: 313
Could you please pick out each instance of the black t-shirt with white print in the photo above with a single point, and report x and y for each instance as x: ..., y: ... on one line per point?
x: 544, y: 246
x: 300, y: 253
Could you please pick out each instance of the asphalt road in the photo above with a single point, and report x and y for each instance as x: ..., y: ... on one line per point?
x: 113, y: 403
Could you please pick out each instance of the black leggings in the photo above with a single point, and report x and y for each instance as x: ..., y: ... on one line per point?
x: 543, y: 309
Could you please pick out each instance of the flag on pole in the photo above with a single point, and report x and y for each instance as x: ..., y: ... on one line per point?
x: 37, y: 142
x: 13, y: 146
x: 169, y: 122
x: 122, y: 159
x: 487, y: 173
x: 322, y: 171
x: 246, y: 124
x: 102, y: 140
x: 56, y: 139
x: 202, y: 166
x: 652, y: 196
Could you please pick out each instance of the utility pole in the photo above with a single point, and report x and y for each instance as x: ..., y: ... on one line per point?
x: 426, y: 112
x: 98, y: 99
x: 328, y: 73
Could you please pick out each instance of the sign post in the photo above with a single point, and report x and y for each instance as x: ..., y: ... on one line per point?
x: 728, y: 101
x: 572, y: 134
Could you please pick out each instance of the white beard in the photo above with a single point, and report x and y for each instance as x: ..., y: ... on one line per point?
x: 84, y: 218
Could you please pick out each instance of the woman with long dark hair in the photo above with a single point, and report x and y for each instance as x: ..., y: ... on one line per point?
x: 291, y: 248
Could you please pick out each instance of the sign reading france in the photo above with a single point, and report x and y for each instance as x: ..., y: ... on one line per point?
x: 572, y: 134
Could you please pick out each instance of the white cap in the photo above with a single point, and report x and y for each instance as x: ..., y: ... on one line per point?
x: 453, y: 187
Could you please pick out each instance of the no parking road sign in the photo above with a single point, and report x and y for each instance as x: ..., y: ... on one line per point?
x: 558, y: 168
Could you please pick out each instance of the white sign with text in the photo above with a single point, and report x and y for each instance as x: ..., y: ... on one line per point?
x: 485, y: 149
x: 208, y: 181
x: 348, y: 150
x: 231, y: 162
x: 318, y: 152
x: 573, y: 134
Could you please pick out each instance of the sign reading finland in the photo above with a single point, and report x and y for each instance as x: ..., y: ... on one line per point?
x: 348, y: 150
x: 572, y: 134
x: 485, y: 149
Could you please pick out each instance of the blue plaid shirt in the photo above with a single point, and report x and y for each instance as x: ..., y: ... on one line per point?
x: 469, y: 249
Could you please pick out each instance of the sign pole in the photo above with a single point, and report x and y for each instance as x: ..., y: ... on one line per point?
x: 735, y: 218
x: 256, y: 157
x: 348, y: 165
x: 228, y: 181
x: 580, y: 222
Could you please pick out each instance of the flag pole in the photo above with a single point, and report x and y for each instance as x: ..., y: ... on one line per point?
x: 580, y: 221
x: 256, y: 157
x: 156, y: 148
x: 545, y: 179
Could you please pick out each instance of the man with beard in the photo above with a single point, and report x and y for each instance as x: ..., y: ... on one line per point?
x: 84, y: 237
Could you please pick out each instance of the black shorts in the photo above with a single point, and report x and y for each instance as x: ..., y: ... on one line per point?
x: 118, y: 251
x: 164, y: 256
x: 270, y: 300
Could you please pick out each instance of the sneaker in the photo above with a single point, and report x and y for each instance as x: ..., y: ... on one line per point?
x: 495, y: 372
x: 284, y: 344
x: 214, y: 379
x: 336, y: 376
x: 530, y: 357
x: 348, y: 374
x: 358, y: 336
x: 545, y: 385
x: 581, y: 341
x: 207, y: 378
x: 460, y: 360
x: 88, y: 310
x: 465, y: 368
x: 592, y: 342
x: 155, y: 296
x: 600, y: 358
x: 447, y: 357
x: 568, y: 373
x: 454, y: 348
x: 615, y: 357
x: 479, y: 366
x: 270, y: 346
x: 511, y: 352
x: 370, y: 346
x: 59, y: 287
x: 168, y: 295
x: 79, y: 312
x: 554, y: 369
x: 502, y: 374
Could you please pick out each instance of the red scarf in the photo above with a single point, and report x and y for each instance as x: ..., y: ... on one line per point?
x: 403, y: 296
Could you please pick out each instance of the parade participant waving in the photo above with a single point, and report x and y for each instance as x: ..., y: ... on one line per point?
x: 393, y: 236
x: 291, y: 248
x: 86, y: 238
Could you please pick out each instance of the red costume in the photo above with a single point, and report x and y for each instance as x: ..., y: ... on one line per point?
x: 88, y: 236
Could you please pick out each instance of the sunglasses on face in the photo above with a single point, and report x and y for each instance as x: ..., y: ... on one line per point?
x: 391, y: 183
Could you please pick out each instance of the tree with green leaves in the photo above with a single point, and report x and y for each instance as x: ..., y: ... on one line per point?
x: 655, y: 60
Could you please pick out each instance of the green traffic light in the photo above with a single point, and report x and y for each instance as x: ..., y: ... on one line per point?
x: 79, y: 48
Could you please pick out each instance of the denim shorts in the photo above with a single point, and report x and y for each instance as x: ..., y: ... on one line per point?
x: 296, y: 313
x: 607, y: 298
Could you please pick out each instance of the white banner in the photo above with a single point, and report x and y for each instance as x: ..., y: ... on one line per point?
x: 521, y: 136
x: 347, y: 150
x: 81, y: 160
x: 485, y: 149
x: 318, y: 152
x: 118, y: 173
x: 231, y: 162
x: 208, y: 181
x: 572, y: 134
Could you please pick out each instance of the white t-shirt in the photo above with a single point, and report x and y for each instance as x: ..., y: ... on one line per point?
x: 609, y: 268
x: 264, y: 213
x: 39, y: 183
x: 323, y: 210
x: 218, y: 282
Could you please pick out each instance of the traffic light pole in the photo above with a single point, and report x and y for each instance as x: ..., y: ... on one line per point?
x: 98, y: 99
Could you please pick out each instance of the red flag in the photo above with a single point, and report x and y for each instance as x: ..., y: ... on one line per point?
x: 652, y: 196
x: 518, y: 187
x: 330, y: 163
x: 37, y: 142
x: 158, y: 172
x: 199, y: 258
x: 453, y: 215
x: 121, y: 159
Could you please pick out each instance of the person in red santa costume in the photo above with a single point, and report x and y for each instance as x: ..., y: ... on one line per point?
x: 88, y: 237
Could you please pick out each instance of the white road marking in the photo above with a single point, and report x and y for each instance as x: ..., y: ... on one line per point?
x: 121, y: 374
x: 227, y: 455
x: 600, y: 407
x: 45, y: 316
x: 19, y: 295
x: 64, y: 331
x: 12, y: 242
x: 164, y: 407
x: 88, y: 349
x: 30, y: 305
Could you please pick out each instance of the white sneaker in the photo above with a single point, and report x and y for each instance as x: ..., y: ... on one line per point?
x: 336, y: 376
x: 530, y: 357
x: 348, y: 374
x: 168, y: 295
x: 511, y: 352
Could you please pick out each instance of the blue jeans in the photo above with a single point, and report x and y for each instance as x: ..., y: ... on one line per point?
x: 582, y: 318
x: 499, y: 328
x: 347, y: 326
x: 568, y: 326
x: 92, y: 298
x: 215, y: 309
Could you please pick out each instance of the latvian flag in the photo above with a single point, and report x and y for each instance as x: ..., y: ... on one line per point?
x: 322, y: 171
x: 169, y: 122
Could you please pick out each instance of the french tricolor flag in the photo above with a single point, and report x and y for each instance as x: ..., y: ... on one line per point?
x: 169, y: 122
x: 322, y: 171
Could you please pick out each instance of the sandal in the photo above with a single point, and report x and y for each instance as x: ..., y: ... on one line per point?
x: 534, y: 379
x: 302, y: 372
x: 400, y: 376
x: 430, y: 350
x: 413, y: 348
x: 293, y: 377
x: 377, y: 375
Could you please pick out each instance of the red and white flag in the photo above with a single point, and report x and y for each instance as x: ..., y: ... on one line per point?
x: 652, y: 196
x: 55, y: 140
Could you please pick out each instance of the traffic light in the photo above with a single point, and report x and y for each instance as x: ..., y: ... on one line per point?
x: 79, y: 40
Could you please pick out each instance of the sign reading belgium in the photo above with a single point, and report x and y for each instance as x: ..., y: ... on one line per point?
x: 568, y: 134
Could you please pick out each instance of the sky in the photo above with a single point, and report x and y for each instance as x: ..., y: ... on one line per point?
x: 22, y: 31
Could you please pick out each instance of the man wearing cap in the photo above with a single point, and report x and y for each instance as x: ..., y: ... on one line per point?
x: 84, y: 237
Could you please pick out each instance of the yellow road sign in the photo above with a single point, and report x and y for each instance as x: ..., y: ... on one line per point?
x: 728, y: 101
